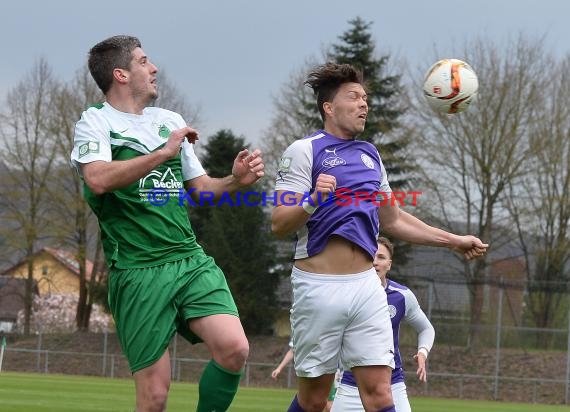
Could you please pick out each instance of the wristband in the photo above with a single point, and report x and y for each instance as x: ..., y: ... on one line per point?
x: 423, y: 351
x: 310, y: 209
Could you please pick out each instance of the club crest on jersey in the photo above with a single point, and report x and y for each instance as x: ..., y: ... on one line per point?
x: 334, y: 160
x: 392, y: 310
x: 163, y: 131
x: 367, y: 161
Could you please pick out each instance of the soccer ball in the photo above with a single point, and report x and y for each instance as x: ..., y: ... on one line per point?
x: 450, y: 86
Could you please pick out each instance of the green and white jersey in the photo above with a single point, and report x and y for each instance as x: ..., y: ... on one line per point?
x: 136, y: 232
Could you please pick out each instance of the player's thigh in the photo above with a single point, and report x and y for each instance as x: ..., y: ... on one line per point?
x: 400, y: 396
x: 141, y: 301
x: 202, y: 290
x: 347, y: 399
x: 220, y: 332
x: 368, y: 338
x: 314, y: 391
x: 318, y: 320
x: 206, y: 307
x: 373, y: 379
x: 154, y: 380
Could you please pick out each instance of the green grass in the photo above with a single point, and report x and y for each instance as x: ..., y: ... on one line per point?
x: 457, y: 405
x: 64, y: 393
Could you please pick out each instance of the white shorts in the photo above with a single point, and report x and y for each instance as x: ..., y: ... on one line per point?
x: 347, y: 399
x: 339, y: 320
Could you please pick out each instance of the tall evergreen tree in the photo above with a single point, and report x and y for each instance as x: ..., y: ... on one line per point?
x: 236, y: 235
x: 384, y: 91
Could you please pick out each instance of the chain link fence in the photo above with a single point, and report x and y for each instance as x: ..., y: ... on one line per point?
x: 504, y: 357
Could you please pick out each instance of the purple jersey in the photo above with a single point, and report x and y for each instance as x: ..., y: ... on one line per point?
x: 352, y: 211
x: 402, y: 305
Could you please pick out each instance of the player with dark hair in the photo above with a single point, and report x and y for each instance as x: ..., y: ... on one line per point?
x: 340, y: 312
x: 136, y: 161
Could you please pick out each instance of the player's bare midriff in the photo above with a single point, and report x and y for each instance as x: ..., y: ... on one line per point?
x: 339, y: 257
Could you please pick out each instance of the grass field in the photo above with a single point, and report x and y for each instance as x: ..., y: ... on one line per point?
x: 64, y: 393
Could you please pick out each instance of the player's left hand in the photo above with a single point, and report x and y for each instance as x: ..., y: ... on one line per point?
x: 248, y: 167
x: 421, y: 362
x: 470, y: 246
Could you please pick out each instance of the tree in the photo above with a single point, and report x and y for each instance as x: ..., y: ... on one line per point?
x: 298, y: 115
x: 469, y: 159
x: 74, y: 224
x: 28, y: 154
x: 539, y: 203
x: 236, y: 236
x: 385, y: 100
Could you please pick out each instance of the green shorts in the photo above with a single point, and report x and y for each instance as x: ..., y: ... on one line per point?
x: 150, y: 305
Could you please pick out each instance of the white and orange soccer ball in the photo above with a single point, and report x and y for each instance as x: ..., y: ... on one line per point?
x: 450, y: 86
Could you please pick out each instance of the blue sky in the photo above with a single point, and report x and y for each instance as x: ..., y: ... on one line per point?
x: 231, y: 57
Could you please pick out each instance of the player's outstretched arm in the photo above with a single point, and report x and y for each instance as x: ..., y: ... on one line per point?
x: 404, y: 226
x: 247, y: 169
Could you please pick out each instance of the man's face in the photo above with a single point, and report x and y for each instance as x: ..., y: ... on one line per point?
x: 348, y: 110
x: 382, y: 262
x: 142, y: 77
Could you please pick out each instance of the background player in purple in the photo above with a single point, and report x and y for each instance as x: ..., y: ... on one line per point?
x: 402, y: 305
x: 343, y: 319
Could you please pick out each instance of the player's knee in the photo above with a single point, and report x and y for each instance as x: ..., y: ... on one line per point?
x: 235, y: 354
x: 313, y: 404
x: 377, y: 397
x: 154, y: 398
x: 241, y: 353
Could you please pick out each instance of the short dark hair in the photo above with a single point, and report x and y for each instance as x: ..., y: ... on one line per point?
x: 384, y: 241
x: 325, y: 80
x: 106, y: 56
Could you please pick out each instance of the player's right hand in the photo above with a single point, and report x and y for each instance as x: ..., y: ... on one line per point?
x: 176, y: 138
x: 470, y: 246
x: 324, y: 187
x: 421, y: 362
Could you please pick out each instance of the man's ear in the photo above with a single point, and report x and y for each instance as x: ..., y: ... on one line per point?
x: 327, y: 107
x: 121, y: 75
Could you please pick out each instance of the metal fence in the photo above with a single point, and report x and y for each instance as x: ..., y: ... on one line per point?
x: 512, y: 361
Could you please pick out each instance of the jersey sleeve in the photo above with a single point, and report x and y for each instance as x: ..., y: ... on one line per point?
x: 191, y: 166
x: 91, y: 141
x: 384, y: 185
x: 295, y: 168
x: 416, y: 317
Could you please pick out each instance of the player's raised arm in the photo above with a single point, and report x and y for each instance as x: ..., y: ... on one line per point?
x: 409, y: 228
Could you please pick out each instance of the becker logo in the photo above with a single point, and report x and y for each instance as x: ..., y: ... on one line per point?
x: 166, y: 180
